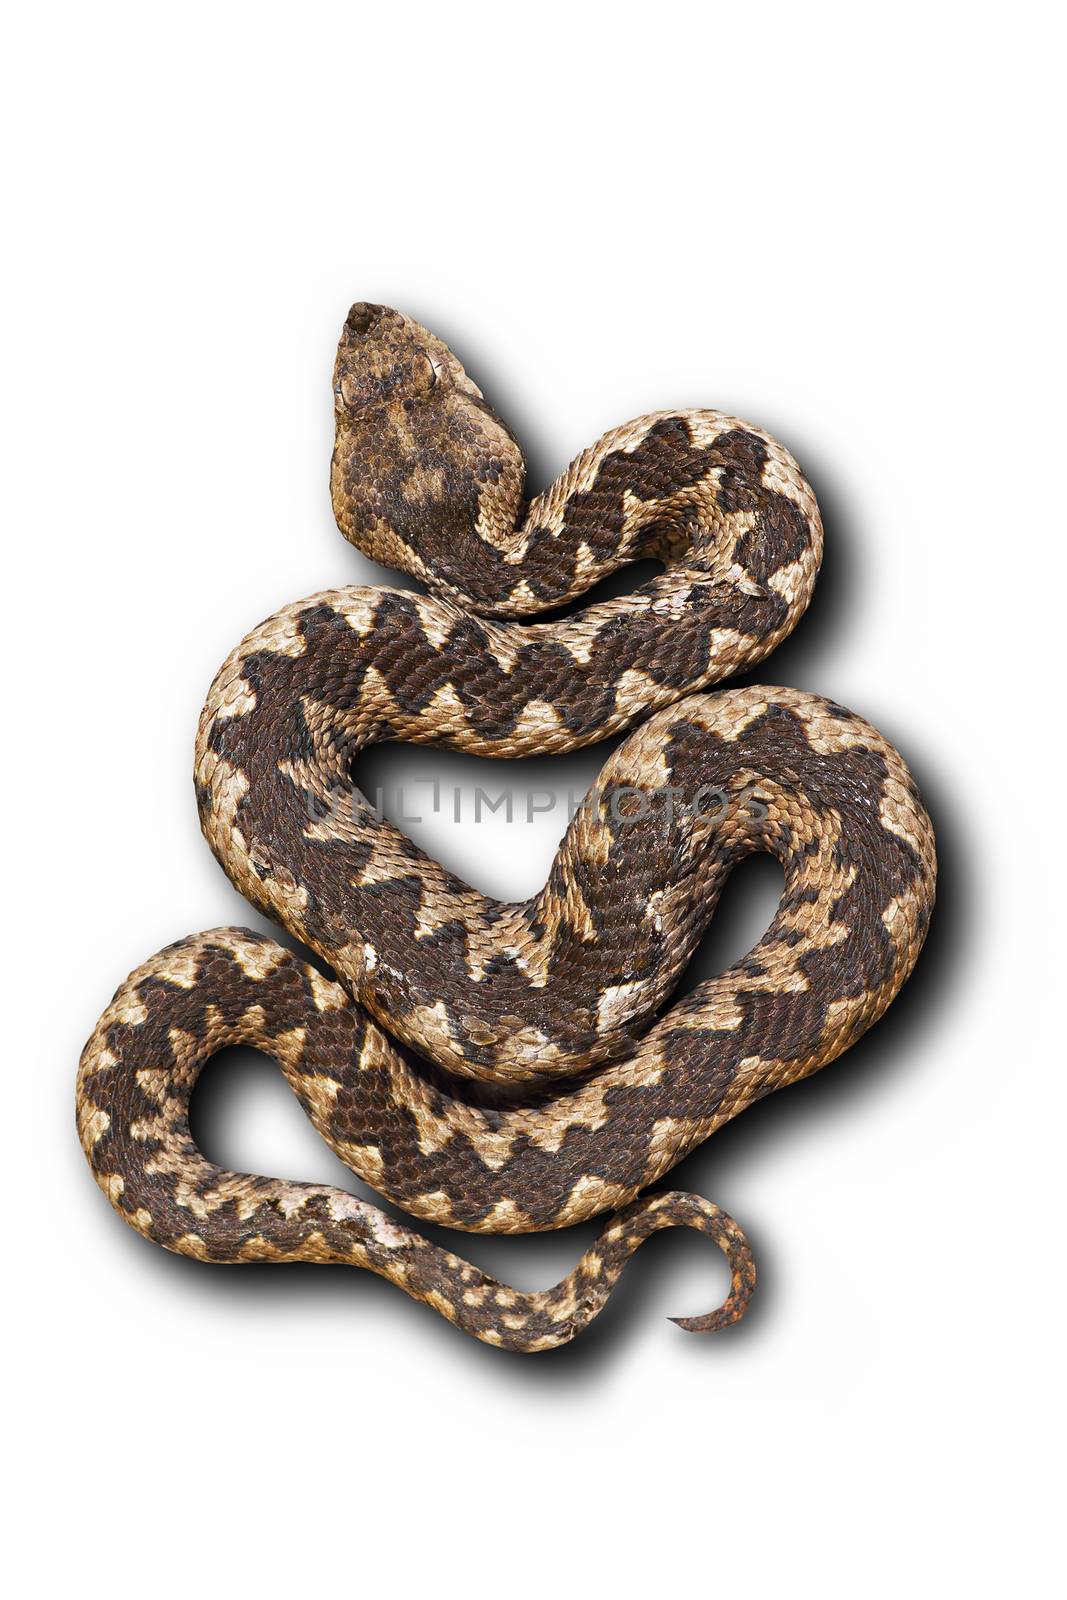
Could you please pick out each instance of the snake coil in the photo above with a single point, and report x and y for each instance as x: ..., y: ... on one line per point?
x: 509, y: 1067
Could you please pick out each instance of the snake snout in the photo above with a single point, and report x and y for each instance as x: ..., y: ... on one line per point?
x: 363, y: 316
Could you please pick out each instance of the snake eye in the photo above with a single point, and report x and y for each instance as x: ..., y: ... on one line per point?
x: 353, y: 391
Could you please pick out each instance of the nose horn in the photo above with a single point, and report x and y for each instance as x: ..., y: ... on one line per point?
x: 362, y: 318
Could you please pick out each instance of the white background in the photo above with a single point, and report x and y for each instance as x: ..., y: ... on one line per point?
x: 835, y: 221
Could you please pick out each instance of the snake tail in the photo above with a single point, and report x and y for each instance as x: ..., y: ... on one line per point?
x: 135, y: 1082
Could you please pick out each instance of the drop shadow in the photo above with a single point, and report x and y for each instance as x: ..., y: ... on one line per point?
x: 585, y: 1363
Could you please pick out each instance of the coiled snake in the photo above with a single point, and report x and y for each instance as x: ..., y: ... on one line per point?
x: 588, y: 1085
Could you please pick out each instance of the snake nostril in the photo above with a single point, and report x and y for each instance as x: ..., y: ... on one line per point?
x: 362, y: 317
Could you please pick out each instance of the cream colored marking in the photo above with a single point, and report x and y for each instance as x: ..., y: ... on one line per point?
x: 550, y: 1134
x: 228, y: 786
x: 431, y: 1023
x: 591, y: 1195
x: 634, y: 690
x: 235, y: 699
x: 376, y: 1051
x: 668, y: 1135
x: 180, y: 967
x: 131, y: 1012
x: 751, y: 1073
x: 726, y: 643
x: 288, y: 1047
x: 707, y: 427
x: 840, y: 1014
x: 191, y: 1244
x: 380, y: 867
x: 251, y: 1026
x: 359, y: 607
x: 565, y: 1305
x: 504, y: 644
x: 516, y: 554
x: 154, y: 1082
x: 585, y: 562
x: 437, y: 619
x: 782, y: 475
x: 321, y: 1094
x: 484, y: 943
x: 616, y: 1004
x: 94, y: 1124
x: 365, y: 1160
x: 538, y: 716
x: 345, y: 1207
x: 256, y: 959
x: 259, y: 1249
x: 587, y: 1110
x: 580, y: 639
x: 280, y: 635
x: 434, y: 1298
x: 506, y: 1217
x: 645, y: 767
x: 289, y: 1197
x: 902, y: 916
x: 524, y: 1048
x: 444, y: 711
x: 437, y: 907
x: 522, y: 595
x: 112, y: 1184
x: 635, y: 512
x: 434, y: 1130
x: 897, y: 814
x: 326, y: 995
x: 673, y: 604
x: 631, y: 435
x: 422, y: 482
x: 792, y: 580
x: 553, y: 908
x: 719, y: 1010
x: 98, y: 1057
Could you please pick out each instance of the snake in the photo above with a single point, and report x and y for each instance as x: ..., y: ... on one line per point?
x: 508, y: 1067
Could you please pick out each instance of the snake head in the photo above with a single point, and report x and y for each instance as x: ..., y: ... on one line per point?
x: 385, y: 358
x: 422, y: 466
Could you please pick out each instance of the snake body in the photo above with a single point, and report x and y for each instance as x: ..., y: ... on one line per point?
x: 503, y: 1067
